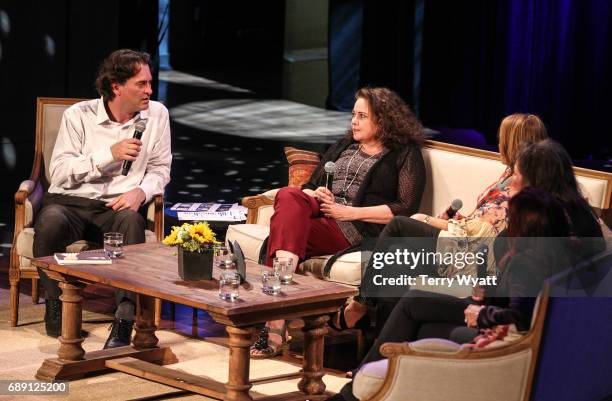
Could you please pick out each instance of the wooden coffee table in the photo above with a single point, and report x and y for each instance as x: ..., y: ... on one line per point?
x: 150, y: 270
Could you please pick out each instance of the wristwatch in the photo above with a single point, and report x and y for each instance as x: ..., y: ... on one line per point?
x: 426, y: 219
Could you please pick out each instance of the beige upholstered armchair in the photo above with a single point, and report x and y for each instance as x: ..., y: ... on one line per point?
x: 28, y: 199
x: 436, y: 369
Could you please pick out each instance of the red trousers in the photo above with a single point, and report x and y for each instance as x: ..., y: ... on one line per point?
x: 298, y: 226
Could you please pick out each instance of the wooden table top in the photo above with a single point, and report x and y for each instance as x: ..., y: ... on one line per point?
x: 152, y: 269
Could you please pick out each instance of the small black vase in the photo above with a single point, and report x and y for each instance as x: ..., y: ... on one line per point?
x: 194, y: 265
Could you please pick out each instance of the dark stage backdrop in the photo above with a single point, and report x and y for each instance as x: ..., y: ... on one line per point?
x: 53, y: 48
x: 238, y: 42
x: 486, y: 59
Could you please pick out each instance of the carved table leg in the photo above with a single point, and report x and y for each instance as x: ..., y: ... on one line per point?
x: 238, y: 384
x: 145, y: 323
x: 72, y: 307
x: 312, y: 372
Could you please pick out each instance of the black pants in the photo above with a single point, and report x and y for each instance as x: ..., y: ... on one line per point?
x: 399, y: 227
x: 420, y: 315
x: 66, y: 219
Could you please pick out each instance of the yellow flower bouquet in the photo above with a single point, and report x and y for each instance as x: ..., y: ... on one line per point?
x: 196, y: 237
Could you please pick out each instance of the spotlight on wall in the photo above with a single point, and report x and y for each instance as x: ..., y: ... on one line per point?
x: 5, y: 23
x: 49, y: 46
x: 8, y: 153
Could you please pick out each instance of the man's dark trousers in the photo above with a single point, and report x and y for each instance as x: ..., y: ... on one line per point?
x: 65, y: 219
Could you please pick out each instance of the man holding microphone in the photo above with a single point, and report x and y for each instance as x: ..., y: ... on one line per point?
x: 94, y: 188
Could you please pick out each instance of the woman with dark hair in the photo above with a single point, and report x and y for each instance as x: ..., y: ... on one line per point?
x: 380, y: 173
x: 532, y: 212
x: 486, y: 221
x: 547, y: 165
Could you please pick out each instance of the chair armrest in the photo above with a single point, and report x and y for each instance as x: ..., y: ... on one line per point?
x: 155, y: 216
x: 438, y: 348
x: 28, y: 200
x: 435, y: 345
x: 253, y: 203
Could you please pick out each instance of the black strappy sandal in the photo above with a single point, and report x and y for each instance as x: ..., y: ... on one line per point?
x: 266, y: 348
x: 362, y: 324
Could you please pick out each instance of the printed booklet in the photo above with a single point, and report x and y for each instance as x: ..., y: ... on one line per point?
x: 95, y: 257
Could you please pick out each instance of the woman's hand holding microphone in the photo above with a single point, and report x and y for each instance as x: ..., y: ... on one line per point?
x: 331, y: 209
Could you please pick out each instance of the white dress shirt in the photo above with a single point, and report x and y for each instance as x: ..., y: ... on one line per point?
x: 82, y: 163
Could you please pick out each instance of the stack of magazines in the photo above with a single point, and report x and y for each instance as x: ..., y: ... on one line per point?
x: 210, y: 211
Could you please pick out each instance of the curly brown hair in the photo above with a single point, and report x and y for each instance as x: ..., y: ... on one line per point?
x: 117, y: 68
x: 397, y: 125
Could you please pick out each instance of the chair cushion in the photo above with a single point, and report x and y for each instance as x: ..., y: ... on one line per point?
x: 370, y: 379
x: 25, y: 243
x: 346, y: 269
x: 250, y: 237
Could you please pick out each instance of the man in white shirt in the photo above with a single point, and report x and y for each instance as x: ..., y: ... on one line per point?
x: 88, y: 195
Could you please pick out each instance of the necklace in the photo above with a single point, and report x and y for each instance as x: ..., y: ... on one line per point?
x: 344, y: 188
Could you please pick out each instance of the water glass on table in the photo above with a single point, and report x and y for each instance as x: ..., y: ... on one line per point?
x: 113, y: 244
x: 223, y: 258
x: 270, y: 280
x: 285, y: 268
x: 229, y: 285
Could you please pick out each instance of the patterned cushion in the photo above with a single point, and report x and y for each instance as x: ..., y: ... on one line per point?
x: 301, y: 165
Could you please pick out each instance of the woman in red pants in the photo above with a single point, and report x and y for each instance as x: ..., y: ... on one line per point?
x: 379, y: 174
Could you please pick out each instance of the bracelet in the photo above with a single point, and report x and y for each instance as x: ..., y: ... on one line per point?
x: 426, y: 219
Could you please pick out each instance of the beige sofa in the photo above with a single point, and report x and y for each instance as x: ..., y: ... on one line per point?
x: 452, y: 172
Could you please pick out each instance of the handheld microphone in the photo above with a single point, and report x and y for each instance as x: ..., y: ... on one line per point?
x: 138, y: 130
x: 330, y: 169
x: 454, y: 207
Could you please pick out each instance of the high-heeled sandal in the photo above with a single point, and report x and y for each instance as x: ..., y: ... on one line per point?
x: 362, y: 324
x: 265, y: 347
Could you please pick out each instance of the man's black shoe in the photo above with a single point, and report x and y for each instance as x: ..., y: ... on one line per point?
x: 120, y: 335
x: 53, y: 317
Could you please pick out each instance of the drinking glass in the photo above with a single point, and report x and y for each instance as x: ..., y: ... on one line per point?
x: 270, y: 280
x: 229, y: 285
x: 285, y: 269
x: 223, y: 258
x: 113, y: 244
